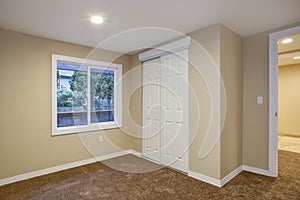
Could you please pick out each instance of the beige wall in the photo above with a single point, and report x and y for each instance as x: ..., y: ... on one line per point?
x: 25, y: 123
x: 135, y: 103
x: 209, y: 39
x: 256, y: 83
x: 232, y: 75
x: 225, y: 49
x: 256, y: 117
x: 289, y: 99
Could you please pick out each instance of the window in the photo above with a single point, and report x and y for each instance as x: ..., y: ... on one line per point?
x: 86, y: 95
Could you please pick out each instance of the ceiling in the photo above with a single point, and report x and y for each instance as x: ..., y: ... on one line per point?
x: 286, y: 52
x: 68, y: 20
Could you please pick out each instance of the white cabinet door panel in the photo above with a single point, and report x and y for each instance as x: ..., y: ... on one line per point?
x: 151, y: 110
x: 174, y: 100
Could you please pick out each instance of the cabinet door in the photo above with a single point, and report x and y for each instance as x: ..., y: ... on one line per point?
x: 174, y: 102
x: 151, y: 109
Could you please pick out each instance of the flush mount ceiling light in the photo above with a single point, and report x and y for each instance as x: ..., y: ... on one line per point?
x: 287, y: 40
x: 296, y: 57
x: 97, y: 19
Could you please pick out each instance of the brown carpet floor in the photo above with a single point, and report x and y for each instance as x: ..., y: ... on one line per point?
x: 97, y: 181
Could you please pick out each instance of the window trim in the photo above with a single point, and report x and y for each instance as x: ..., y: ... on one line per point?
x: 117, y: 123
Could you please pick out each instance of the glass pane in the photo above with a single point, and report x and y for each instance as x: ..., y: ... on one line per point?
x: 71, y: 94
x: 102, y: 95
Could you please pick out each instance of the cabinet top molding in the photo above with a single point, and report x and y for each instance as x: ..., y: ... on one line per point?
x: 165, y: 49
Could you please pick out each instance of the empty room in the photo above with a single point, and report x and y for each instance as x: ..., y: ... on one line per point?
x: 149, y: 99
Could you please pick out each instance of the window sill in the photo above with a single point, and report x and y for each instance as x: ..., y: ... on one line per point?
x: 85, y: 128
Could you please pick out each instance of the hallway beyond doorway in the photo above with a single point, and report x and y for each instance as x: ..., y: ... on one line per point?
x: 289, y: 143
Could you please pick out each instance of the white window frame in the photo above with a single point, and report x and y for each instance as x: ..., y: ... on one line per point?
x: 117, y: 123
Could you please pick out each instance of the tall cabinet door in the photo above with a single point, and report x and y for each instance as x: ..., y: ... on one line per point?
x: 151, y: 109
x: 174, y: 102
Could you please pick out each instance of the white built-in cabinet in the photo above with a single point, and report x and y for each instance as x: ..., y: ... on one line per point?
x: 165, y: 136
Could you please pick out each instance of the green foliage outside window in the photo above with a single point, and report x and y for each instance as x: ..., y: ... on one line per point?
x: 63, y: 98
x: 101, y: 91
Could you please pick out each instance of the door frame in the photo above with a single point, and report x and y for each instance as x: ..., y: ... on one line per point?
x: 273, y: 95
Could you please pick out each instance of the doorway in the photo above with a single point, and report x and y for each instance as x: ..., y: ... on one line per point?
x: 289, y: 93
x: 273, y: 95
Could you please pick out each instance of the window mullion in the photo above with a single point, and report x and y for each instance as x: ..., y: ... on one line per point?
x: 88, y: 97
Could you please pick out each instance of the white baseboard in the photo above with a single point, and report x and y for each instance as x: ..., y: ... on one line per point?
x: 216, y: 182
x: 133, y: 152
x: 256, y: 170
x: 230, y: 176
x: 50, y: 170
x: 201, y: 177
x: 205, y: 179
